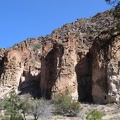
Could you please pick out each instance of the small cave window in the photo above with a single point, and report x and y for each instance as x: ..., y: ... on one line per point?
x: 105, y: 97
x: 118, y: 67
x: 118, y: 64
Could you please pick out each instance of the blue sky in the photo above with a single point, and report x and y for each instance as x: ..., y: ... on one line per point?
x: 22, y: 19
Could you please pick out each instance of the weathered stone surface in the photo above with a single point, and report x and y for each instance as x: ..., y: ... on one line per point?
x: 57, y: 70
x: 19, y: 68
x: 80, y: 58
x: 105, y: 68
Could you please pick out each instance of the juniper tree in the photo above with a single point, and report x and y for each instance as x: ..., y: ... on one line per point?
x: 116, y: 12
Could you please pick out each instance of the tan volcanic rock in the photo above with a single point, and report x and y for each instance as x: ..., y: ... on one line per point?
x: 78, y: 59
x: 105, y: 68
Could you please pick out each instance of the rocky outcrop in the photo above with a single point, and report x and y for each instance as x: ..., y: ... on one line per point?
x: 18, y: 69
x: 80, y: 58
x: 105, y: 67
x: 58, y: 63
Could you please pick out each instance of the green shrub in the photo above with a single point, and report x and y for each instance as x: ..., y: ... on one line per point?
x: 12, y: 106
x: 66, y: 106
x: 94, y: 115
x: 16, y: 108
x: 77, y: 34
x: 37, y: 46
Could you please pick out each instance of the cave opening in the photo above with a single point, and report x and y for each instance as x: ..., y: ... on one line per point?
x: 83, y: 71
x: 118, y: 67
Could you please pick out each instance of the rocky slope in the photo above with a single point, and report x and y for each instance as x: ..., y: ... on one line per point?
x: 74, y: 59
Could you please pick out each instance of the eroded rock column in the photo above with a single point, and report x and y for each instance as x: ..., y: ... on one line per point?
x: 105, y: 69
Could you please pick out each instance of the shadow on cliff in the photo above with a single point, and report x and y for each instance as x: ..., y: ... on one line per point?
x: 83, y: 71
x: 30, y: 86
x: 42, y: 84
x: 2, y: 65
x: 50, y: 70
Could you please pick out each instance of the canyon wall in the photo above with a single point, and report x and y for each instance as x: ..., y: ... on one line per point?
x: 80, y: 58
x: 58, y: 62
x: 105, y: 68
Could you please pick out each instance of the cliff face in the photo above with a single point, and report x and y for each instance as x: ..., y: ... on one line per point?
x: 18, y: 69
x: 79, y: 58
x: 105, y: 68
x: 58, y: 63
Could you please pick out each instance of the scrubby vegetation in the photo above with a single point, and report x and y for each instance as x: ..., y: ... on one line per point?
x: 14, y: 107
x: 94, y: 115
x: 66, y: 106
x: 37, y: 46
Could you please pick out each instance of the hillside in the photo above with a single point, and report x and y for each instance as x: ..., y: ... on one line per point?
x: 80, y: 58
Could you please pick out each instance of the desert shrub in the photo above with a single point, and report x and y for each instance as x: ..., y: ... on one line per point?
x: 17, y: 109
x: 41, y: 109
x: 25, y: 107
x: 94, y: 115
x: 66, y: 106
x: 12, y: 107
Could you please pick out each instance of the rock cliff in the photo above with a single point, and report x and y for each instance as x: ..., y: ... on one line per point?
x: 80, y: 58
x: 105, y: 54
